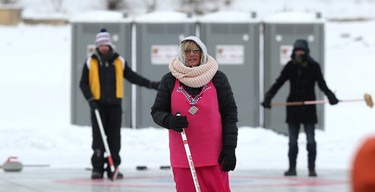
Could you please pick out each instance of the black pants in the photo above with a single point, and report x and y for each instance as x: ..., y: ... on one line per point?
x: 111, y: 119
x: 293, y: 144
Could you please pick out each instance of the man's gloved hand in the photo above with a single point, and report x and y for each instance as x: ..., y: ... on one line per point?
x: 227, y: 159
x: 332, y: 99
x: 177, y: 123
x: 266, y: 103
x: 93, y: 105
x: 154, y: 85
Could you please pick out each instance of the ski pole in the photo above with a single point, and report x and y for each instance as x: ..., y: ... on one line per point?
x: 189, y: 158
x: 106, y: 147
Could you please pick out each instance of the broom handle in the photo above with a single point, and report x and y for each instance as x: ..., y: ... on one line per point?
x: 297, y: 103
x: 189, y: 158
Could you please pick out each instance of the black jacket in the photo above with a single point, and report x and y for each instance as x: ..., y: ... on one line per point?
x: 302, y: 79
x: 227, y: 105
x: 107, y: 80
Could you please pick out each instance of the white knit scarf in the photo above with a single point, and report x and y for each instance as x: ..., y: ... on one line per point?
x: 194, y: 76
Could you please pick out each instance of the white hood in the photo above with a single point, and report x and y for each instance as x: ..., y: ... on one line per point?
x: 201, y: 46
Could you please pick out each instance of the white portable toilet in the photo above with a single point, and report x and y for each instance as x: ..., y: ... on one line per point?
x: 232, y: 38
x: 157, y: 36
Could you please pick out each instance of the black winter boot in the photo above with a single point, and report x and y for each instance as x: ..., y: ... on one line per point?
x: 97, y: 161
x: 292, y: 155
x: 109, y: 173
x: 312, y: 173
x: 311, y: 149
x: 119, y: 175
x: 291, y: 172
x: 97, y: 174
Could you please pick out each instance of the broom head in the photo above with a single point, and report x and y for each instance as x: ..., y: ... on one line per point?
x: 368, y: 100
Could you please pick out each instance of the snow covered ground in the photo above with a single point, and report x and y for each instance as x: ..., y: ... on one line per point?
x: 35, y: 103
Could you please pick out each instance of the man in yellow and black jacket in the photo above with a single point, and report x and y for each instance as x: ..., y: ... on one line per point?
x: 102, y: 86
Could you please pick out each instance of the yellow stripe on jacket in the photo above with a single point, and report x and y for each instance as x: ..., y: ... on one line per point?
x: 94, y: 80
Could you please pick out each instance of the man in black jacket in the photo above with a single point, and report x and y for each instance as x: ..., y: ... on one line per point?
x: 302, y: 72
x: 102, y: 86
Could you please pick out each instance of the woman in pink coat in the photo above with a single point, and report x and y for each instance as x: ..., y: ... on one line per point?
x: 201, y: 93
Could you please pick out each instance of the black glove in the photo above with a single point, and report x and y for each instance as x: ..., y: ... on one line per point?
x: 266, y: 103
x: 332, y: 99
x: 93, y: 105
x: 177, y: 123
x: 154, y: 85
x: 227, y: 159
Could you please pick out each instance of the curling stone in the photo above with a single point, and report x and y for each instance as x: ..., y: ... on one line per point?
x: 11, y: 165
x: 165, y: 167
x: 141, y: 167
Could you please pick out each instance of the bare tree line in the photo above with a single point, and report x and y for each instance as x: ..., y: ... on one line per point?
x: 7, y: 1
x: 188, y: 6
x: 192, y: 6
